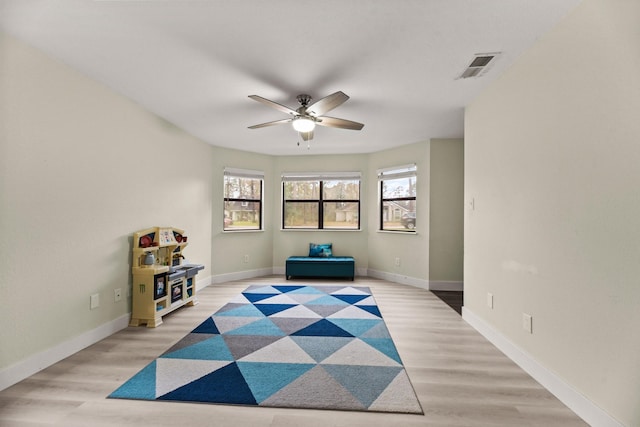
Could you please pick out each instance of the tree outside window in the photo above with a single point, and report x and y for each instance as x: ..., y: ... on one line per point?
x: 321, y: 202
x: 398, y: 198
x: 242, y: 200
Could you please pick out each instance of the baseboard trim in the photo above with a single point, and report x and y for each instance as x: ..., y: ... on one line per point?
x: 203, y: 283
x: 241, y: 275
x: 39, y: 361
x: 578, y: 403
x: 443, y: 285
x: 398, y: 278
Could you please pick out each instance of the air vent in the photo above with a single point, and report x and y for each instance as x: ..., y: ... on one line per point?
x: 478, y: 65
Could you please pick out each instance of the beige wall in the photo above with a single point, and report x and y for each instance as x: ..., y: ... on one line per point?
x: 81, y: 169
x: 411, y: 248
x: 230, y: 248
x: 446, y: 215
x: 552, y: 150
x: 296, y: 242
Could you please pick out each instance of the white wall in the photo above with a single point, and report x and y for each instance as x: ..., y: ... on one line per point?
x: 552, y: 150
x: 81, y: 169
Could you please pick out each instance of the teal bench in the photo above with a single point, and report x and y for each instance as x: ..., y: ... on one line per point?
x: 334, y: 266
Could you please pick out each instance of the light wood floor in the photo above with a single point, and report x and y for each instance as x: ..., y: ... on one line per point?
x: 459, y: 377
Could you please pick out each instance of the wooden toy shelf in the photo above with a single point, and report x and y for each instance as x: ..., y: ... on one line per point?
x: 161, y: 282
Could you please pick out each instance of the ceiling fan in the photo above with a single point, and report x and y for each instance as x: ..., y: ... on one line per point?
x: 306, y: 117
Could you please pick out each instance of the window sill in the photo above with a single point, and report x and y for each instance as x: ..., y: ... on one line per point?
x: 351, y: 230
x: 409, y: 233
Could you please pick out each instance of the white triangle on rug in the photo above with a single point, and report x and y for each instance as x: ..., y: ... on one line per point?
x: 278, y: 299
x: 229, y: 323
x: 304, y: 298
x: 367, y: 301
x: 398, y: 396
x: 262, y: 290
x: 349, y: 290
x: 352, y: 312
x: 281, y: 351
x: 174, y: 373
x: 299, y: 311
x: 358, y: 352
x: 240, y: 299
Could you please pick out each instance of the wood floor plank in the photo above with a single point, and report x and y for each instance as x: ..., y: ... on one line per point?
x: 460, y: 378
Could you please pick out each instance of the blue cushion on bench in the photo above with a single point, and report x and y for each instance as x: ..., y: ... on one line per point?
x: 321, y: 250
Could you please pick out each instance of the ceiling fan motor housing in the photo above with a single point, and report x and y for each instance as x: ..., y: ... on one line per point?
x: 304, y: 100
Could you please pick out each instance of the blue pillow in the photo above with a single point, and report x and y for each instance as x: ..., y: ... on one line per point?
x: 322, y: 250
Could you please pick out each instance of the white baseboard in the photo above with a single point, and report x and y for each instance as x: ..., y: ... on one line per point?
x: 242, y: 275
x: 203, y: 283
x: 39, y: 361
x: 442, y: 285
x: 578, y: 403
x: 399, y: 278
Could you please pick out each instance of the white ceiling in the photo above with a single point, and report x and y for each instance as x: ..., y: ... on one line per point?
x: 194, y: 63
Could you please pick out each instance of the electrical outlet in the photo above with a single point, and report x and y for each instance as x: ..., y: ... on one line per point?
x: 397, y: 262
x: 527, y: 322
x: 117, y: 295
x: 490, y: 300
x: 246, y: 258
x: 94, y: 301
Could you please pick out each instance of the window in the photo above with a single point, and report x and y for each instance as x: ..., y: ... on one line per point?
x: 321, y: 201
x: 398, y: 198
x: 242, y: 199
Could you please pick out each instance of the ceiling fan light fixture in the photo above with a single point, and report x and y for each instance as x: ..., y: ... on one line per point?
x: 303, y: 124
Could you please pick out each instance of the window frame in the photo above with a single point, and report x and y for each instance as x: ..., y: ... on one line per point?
x: 244, y: 201
x: 391, y: 173
x: 321, y: 178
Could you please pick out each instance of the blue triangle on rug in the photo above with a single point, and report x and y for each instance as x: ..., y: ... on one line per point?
x: 269, y: 309
x: 351, y: 299
x: 284, y: 346
x: 207, y: 327
x: 257, y: 297
x: 226, y: 385
x: 287, y: 288
x: 323, y: 328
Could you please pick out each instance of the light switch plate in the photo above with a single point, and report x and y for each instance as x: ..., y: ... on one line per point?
x: 527, y: 322
x: 94, y: 301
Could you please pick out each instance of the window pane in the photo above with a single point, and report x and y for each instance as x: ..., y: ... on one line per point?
x: 340, y: 215
x: 399, y: 215
x: 301, y: 215
x: 341, y: 190
x: 241, y: 215
x: 400, y: 187
x: 302, y: 190
x: 242, y: 188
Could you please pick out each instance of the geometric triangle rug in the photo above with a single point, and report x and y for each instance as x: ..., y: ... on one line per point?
x: 316, y: 347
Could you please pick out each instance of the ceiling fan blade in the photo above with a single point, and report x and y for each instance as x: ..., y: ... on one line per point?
x: 327, y: 103
x: 275, y: 105
x: 307, y: 136
x: 332, y: 122
x: 276, y: 122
